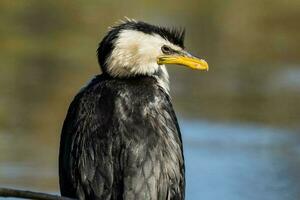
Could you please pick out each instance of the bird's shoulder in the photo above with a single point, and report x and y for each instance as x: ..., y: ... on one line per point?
x: 137, y: 89
x: 105, y: 99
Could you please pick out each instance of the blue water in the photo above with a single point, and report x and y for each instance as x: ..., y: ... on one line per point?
x: 223, y: 161
x: 240, y: 162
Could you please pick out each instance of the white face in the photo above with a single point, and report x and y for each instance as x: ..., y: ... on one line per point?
x: 136, y: 53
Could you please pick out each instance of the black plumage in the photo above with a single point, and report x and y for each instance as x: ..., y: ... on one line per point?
x: 120, y: 138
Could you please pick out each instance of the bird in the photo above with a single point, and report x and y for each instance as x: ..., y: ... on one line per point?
x: 120, y: 138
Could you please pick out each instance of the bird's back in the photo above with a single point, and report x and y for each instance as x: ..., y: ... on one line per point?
x: 121, y: 140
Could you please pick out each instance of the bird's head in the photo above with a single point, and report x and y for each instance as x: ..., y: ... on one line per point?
x: 134, y: 48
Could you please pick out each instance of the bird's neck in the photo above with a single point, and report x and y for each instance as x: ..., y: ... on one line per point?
x: 162, y: 78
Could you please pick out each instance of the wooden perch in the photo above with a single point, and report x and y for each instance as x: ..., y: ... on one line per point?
x: 7, y: 192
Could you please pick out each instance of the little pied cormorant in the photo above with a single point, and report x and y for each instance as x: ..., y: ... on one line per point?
x: 120, y: 138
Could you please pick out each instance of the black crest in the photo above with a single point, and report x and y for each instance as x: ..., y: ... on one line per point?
x: 173, y: 35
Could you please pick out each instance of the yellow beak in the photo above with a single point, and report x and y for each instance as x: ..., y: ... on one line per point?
x: 189, y: 61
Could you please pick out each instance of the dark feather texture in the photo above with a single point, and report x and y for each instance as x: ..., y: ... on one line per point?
x: 121, y: 140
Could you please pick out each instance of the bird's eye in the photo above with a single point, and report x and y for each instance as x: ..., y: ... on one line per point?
x: 166, y: 50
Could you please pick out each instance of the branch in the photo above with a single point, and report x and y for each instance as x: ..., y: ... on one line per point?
x: 7, y: 192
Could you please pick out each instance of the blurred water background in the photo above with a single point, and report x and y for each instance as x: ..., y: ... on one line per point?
x: 240, y: 121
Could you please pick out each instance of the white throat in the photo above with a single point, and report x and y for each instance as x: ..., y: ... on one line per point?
x: 162, y: 78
